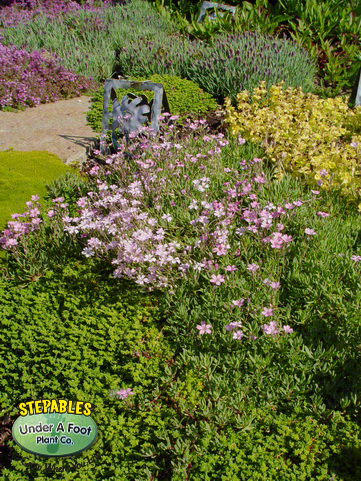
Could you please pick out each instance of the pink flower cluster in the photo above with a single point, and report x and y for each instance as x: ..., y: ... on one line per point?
x: 22, y: 11
x: 28, y: 222
x: 273, y: 328
x: 28, y: 79
x: 162, y: 217
x: 23, y: 224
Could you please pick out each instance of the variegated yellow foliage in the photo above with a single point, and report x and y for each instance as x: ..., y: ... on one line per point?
x: 303, y: 134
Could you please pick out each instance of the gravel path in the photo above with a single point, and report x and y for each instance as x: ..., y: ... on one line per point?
x: 57, y: 127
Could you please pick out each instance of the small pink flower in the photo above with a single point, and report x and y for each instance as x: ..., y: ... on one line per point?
x: 204, y: 328
x: 252, y: 267
x: 287, y: 329
x: 289, y: 206
x: 275, y: 285
x: 240, y: 140
x: 51, y: 213
x: 238, y: 303
x: 124, y: 393
x: 238, y: 335
x: 287, y: 238
x: 35, y: 198
x: 271, y: 328
x: 323, y: 214
x: 260, y: 179
x: 298, y: 203
x: 231, y: 268
x: 316, y: 192
x: 220, y: 250
x: 11, y: 242
x: 232, y: 325
x: 217, y: 279
x: 310, y: 231
x: 267, y: 312
x: 356, y: 258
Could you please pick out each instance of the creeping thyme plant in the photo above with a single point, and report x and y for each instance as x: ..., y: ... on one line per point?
x: 309, y: 136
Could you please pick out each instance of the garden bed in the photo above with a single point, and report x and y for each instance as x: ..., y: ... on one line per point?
x: 208, y: 294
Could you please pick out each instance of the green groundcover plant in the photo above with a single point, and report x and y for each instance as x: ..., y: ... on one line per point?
x: 217, y: 401
x: 259, y: 350
x: 22, y: 174
x: 184, y: 97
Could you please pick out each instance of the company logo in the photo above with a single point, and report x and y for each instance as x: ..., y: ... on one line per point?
x: 54, y: 427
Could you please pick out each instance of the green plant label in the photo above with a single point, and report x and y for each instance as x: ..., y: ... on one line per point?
x: 54, y: 428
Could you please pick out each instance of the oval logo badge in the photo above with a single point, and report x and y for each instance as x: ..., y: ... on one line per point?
x: 52, y: 434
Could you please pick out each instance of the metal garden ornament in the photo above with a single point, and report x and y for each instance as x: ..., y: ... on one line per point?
x: 133, y: 111
x: 212, y: 5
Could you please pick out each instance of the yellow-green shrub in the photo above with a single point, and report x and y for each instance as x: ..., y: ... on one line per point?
x: 302, y: 133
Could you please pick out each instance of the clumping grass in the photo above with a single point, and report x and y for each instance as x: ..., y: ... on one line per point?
x: 22, y: 174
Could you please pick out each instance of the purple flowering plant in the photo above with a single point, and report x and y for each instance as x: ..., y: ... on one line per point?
x: 28, y: 79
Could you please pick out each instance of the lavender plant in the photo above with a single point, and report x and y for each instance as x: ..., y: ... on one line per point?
x: 237, y: 62
x: 23, y: 11
x: 87, y: 39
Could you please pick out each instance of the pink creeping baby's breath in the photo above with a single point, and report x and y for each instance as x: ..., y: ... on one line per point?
x: 238, y: 303
x: 204, y: 328
x: 287, y: 329
x: 252, y: 267
x: 217, y: 280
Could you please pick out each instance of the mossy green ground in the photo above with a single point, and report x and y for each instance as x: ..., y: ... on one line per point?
x: 23, y: 174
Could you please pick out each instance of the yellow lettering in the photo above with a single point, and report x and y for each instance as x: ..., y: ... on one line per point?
x: 46, y: 404
x: 70, y: 407
x: 87, y: 408
x: 23, y: 410
x: 62, y: 406
x: 54, y: 406
x: 78, y: 407
x: 31, y: 407
x: 38, y: 407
